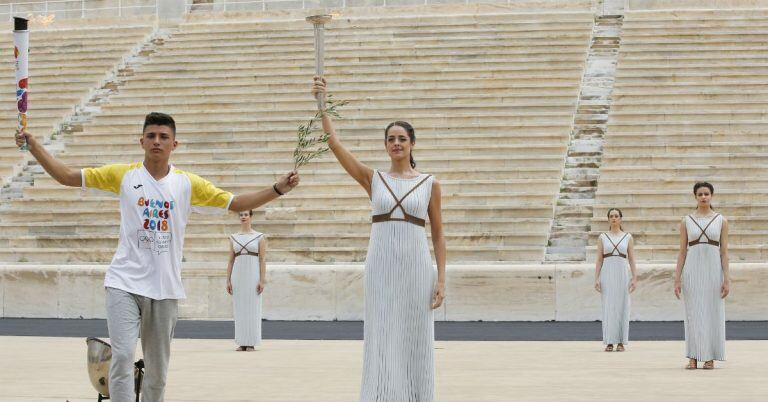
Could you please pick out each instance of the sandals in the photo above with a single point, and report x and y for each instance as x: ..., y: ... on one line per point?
x: 240, y: 349
x: 619, y: 348
x: 708, y: 365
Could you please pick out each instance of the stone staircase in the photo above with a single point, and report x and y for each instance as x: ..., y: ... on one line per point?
x: 201, y: 6
x: 573, y: 212
x: 82, y: 113
x: 491, y: 96
x: 65, y: 65
x: 689, y: 105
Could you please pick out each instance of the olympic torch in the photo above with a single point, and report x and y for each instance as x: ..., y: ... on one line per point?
x: 319, y: 21
x: 21, y: 53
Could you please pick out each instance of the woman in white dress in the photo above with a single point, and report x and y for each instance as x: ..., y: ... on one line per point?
x: 615, y: 279
x: 400, y: 286
x: 246, y: 279
x: 703, y: 279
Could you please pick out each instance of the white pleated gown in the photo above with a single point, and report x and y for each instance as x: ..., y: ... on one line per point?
x: 702, y: 280
x: 615, y: 277
x: 246, y: 302
x: 398, y: 360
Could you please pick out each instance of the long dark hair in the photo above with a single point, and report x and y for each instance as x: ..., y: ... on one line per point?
x: 711, y: 188
x: 621, y: 215
x: 408, y: 129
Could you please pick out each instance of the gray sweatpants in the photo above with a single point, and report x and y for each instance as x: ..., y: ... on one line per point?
x: 127, y: 316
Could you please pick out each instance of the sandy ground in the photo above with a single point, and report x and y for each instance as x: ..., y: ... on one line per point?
x: 54, y: 369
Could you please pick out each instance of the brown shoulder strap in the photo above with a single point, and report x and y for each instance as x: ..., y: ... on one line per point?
x: 415, y: 187
x: 704, y: 229
x: 615, y: 245
x: 398, y: 202
x: 243, y: 246
x: 710, y: 223
x: 387, y: 185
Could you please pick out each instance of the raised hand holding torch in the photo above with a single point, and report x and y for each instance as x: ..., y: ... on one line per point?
x: 21, y: 53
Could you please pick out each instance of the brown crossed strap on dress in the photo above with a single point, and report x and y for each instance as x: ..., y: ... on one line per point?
x: 243, y: 247
x: 398, y: 204
x: 615, y: 247
x: 704, y: 233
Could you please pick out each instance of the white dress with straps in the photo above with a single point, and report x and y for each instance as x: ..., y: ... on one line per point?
x: 245, y: 277
x: 398, y: 362
x: 615, y: 277
x: 702, y: 280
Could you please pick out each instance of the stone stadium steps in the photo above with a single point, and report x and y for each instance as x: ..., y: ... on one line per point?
x: 620, y: 197
x: 285, y: 163
x: 306, y: 200
x: 492, y: 98
x: 350, y: 130
x: 657, y: 253
x: 363, y: 151
x: 65, y: 65
x: 688, y: 106
x: 332, y: 174
x: 676, y: 210
x: 218, y: 257
x: 260, y: 142
x: 738, y: 182
x: 349, y: 187
x: 670, y: 224
x: 270, y: 219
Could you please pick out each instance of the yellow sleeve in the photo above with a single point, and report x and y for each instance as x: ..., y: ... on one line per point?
x: 105, y: 178
x: 205, y: 197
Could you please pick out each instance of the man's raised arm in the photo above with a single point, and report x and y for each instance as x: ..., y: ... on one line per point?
x: 54, y: 167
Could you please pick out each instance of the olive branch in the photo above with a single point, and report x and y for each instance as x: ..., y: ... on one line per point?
x: 312, y: 140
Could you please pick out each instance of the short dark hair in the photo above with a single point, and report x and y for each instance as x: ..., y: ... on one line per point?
x: 159, y: 119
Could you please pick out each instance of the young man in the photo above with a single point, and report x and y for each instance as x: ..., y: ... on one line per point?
x: 143, y: 282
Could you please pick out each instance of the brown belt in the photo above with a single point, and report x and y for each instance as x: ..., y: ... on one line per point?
x: 614, y: 255
x: 247, y: 253
x: 710, y: 242
x: 407, y: 218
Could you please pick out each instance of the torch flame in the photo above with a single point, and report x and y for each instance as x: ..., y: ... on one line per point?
x: 41, y: 20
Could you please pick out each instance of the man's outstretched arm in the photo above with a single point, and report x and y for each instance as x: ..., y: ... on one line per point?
x: 54, y: 167
x: 248, y: 201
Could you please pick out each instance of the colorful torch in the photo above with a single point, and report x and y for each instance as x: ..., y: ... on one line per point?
x: 21, y: 52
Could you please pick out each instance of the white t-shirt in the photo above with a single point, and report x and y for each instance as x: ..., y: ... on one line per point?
x: 153, y: 217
